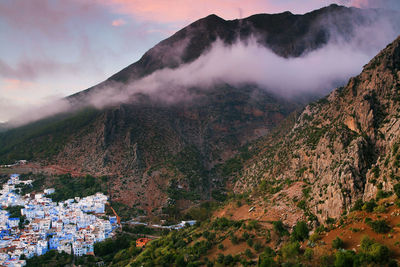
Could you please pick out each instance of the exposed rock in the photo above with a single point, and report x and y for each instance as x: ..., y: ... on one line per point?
x: 344, y: 146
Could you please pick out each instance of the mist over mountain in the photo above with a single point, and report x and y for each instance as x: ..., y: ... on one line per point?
x: 268, y: 51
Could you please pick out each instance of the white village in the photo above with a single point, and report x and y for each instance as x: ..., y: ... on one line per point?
x: 71, y: 226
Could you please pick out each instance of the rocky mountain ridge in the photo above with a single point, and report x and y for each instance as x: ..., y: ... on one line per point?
x: 344, y: 146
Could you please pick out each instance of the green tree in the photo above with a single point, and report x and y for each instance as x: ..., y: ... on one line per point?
x: 290, y: 250
x: 396, y: 189
x: 357, y: 205
x: 300, y: 231
x: 344, y: 258
x: 308, y: 254
x: 220, y: 258
x: 248, y: 253
x: 280, y: 229
x: 372, y: 251
x: 180, y: 261
x: 380, y: 226
x: 228, y: 259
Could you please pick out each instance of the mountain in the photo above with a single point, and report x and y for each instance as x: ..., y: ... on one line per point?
x: 145, y: 146
x: 293, y: 196
x: 286, y: 34
x: 3, y: 127
x: 165, y: 157
x: 344, y: 148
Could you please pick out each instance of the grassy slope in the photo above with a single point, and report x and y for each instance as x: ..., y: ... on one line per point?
x: 43, y: 138
x: 225, y: 242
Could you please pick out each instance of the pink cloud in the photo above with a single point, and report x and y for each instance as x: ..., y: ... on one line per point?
x: 118, y: 22
x: 190, y: 10
x: 47, y: 17
x: 30, y: 69
x: 15, y: 84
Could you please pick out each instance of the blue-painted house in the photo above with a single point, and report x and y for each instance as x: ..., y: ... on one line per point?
x: 54, y: 242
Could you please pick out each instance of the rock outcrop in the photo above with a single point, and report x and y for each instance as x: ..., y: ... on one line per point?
x: 345, y: 146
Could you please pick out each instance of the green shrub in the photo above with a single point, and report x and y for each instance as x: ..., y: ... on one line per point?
x: 280, y: 229
x: 300, y: 231
x: 245, y: 235
x: 376, y: 171
x: 228, y: 259
x: 369, y: 206
x: 220, y: 258
x: 337, y: 243
x: 372, y: 251
x: 302, y: 204
x: 382, y: 194
x: 320, y: 229
x: 290, y: 250
x: 379, y: 252
x: 330, y: 220
x: 266, y: 259
x: 344, y: 258
x: 224, y: 223
x: 396, y: 189
x: 248, y: 253
x: 315, y: 237
x: 263, y: 185
x: 379, y: 226
x: 366, y: 242
x: 308, y: 254
x: 269, y: 252
x: 380, y: 209
x: 357, y: 205
x: 233, y: 239
x: 379, y: 186
x: 258, y: 247
x: 253, y: 224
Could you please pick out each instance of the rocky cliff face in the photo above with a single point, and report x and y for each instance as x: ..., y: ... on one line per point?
x: 345, y: 146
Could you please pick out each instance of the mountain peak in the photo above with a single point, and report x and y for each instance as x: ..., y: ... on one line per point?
x: 274, y: 31
x: 213, y: 17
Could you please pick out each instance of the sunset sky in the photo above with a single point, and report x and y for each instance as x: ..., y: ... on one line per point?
x: 54, y: 48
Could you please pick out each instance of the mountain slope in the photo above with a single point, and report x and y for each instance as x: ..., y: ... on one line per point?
x: 172, y: 155
x: 146, y: 145
x: 345, y: 146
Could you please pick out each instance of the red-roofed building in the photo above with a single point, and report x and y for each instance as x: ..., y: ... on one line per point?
x: 141, y: 242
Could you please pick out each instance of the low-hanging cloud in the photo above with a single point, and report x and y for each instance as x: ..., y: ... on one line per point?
x: 21, y: 115
x: 246, y: 63
x: 242, y: 64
